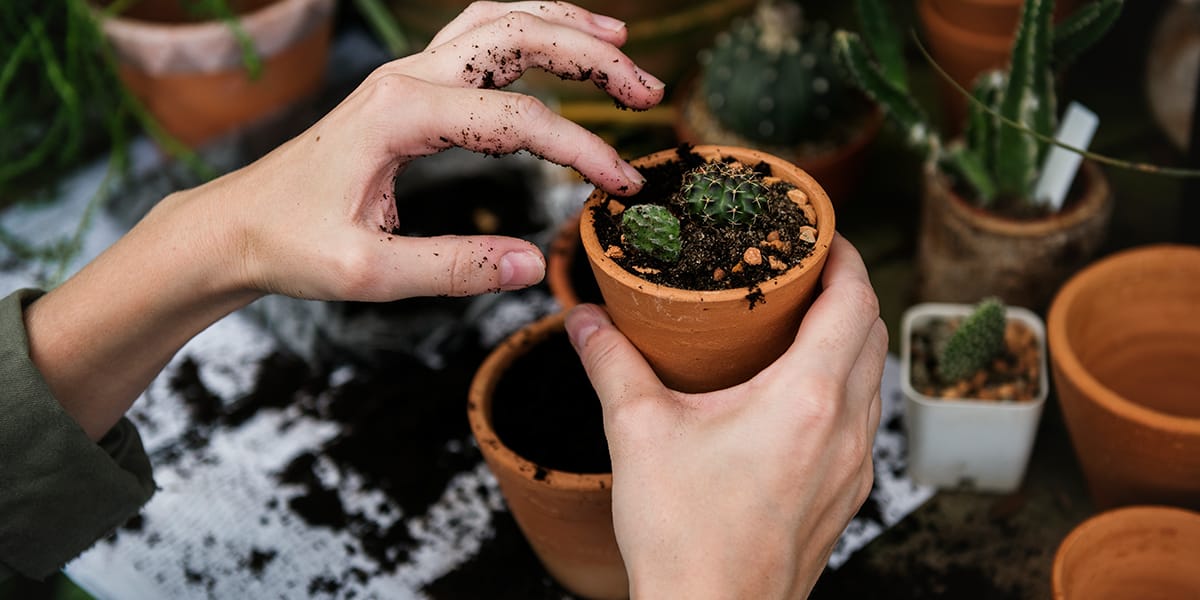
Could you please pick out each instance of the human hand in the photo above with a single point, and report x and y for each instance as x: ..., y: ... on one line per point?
x: 316, y: 215
x: 313, y: 219
x: 742, y: 493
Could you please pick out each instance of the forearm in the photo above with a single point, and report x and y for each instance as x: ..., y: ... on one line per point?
x: 101, y: 337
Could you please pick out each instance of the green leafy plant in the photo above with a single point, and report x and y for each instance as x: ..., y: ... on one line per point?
x: 718, y: 193
x: 975, y: 343
x: 772, y: 78
x: 1015, y: 113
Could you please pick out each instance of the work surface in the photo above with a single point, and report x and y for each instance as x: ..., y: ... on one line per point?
x: 284, y: 473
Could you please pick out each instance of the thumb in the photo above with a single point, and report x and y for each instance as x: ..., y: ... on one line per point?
x: 465, y: 265
x: 616, y: 369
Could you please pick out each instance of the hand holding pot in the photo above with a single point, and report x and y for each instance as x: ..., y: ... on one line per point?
x: 743, y: 492
x: 313, y: 219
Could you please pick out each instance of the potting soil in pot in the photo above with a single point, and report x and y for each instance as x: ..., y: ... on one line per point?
x: 1013, y: 376
x: 546, y: 411
x: 711, y: 257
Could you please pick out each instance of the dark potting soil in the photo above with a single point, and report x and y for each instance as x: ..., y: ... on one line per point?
x: 504, y: 569
x: 705, y: 247
x: 1012, y: 376
x: 545, y: 410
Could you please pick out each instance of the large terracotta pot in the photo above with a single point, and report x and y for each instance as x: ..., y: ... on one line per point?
x: 567, y: 517
x: 839, y: 169
x: 191, y: 75
x: 993, y: 17
x: 965, y: 253
x: 705, y: 340
x: 1125, y: 350
x: 1136, y: 552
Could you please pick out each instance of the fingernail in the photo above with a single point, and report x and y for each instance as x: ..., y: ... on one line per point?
x: 632, y: 174
x: 651, y: 82
x: 582, y: 322
x: 608, y: 23
x: 521, y: 269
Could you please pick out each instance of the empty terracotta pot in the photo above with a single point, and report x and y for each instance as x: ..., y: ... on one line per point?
x: 567, y: 517
x: 699, y: 341
x: 191, y: 75
x: 1148, y: 552
x: 1125, y: 352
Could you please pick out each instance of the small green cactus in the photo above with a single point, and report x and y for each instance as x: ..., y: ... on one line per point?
x: 772, y: 79
x: 978, y: 340
x: 720, y: 193
x: 652, y: 229
x: 997, y: 159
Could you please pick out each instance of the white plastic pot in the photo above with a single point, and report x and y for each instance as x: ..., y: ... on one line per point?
x: 979, y: 444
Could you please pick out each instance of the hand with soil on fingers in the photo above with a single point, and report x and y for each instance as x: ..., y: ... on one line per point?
x: 743, y: 492
x: 316, y: 219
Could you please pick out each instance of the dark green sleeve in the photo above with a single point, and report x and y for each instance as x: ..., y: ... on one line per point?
x: 59, y: 491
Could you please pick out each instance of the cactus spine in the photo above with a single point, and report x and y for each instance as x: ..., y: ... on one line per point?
x: 772, y: 79
x: 976, y: 341
x: 996, y: 159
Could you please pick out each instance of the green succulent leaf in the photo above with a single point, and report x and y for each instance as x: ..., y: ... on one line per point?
x: 978, y: 340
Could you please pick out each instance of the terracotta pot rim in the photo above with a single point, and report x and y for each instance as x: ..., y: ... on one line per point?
x: 1096, y: 195
x: 1149, y: 513
x: 202, y: 28
x: 826, y: 227
x: 954, y: 309
x: 480, y: 404
x: 871, y: 124
x: 563, y: 249
x: 1063, y: 356
x: 935, y: 20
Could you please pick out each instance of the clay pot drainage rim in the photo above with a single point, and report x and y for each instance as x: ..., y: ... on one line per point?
x: 712, y: 153
x: 1063, y: 354
x: 480, y: 409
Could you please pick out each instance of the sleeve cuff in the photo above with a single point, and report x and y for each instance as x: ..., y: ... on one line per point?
x: 59, y: 490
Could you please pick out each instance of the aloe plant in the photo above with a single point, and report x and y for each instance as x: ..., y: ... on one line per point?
x: 995, y: 159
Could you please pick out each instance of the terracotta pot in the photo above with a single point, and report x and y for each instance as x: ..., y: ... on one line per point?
x: 838, y: 169
x: 969, y: 37
x: 1137, y: 552
x: 191, y: 77
x: 567, y: 517
x: 664, y: 36
x: 993, y: 17
x: 965, y: 253
x: 965, y: 442
x: 568, y: 273
x: 706, y: 340
x: 1125, y: 350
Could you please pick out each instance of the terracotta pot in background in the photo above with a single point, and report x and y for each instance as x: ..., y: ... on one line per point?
x: 563, y: 250
x: 965, y: 253
x: 191, y: 75
x: 838, y: 169
x: 567, y: 517
x: 969, y: 37
x: 706, y: 340
x: 1136, y: 552
x: 1125, y: 349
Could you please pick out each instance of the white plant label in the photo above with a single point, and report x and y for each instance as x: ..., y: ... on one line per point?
x: 1077, y: 128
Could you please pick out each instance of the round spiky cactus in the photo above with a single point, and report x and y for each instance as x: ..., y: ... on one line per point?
x: 652, y: 229
x: 772, y: 78
x: 721, y: 193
